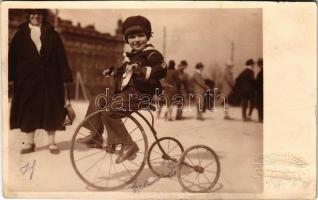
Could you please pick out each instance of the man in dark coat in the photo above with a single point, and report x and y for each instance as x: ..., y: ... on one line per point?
x: 38, y: 68
x: 259, y: 90
x: 245, y: 86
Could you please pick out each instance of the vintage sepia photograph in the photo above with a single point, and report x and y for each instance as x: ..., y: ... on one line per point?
x: 135, y: 101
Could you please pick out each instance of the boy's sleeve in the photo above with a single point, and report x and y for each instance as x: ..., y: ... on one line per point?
x: 157, y: 68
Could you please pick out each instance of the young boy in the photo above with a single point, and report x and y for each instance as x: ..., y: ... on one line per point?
x: 148, y: 67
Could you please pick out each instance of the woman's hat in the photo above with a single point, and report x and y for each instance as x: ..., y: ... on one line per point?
x: 44, y: 12
x: 136, y: 24
x: 38, y: 11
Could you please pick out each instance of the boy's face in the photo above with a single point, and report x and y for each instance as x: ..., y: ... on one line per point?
x: 137, y: 41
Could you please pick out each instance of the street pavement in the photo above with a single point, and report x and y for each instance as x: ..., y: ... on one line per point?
x: 238, y: 145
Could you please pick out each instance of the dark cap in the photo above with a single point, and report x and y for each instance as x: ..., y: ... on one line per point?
x: 260, y: 62
x: 250, y: 62
x: 135, y: 24
x: 183, y: 62
x: 199, y: 66
x: 171, y: 64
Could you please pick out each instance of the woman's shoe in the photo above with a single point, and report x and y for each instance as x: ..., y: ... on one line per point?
x: 54, y: 149
x: 29, y: 149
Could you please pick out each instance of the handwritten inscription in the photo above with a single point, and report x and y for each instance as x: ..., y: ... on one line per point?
x: 28, y: 167
x: 148, y: 182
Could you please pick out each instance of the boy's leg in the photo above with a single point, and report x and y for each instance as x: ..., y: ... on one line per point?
x: 94, y: 124
x: 116, y: 130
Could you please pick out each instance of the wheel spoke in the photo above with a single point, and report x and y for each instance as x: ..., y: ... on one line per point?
x: 190, y: 160
x: 156, y: 158
x: 172, y: 148
x: 206, y: 178
x: 97, y: 142
x: 168, y: 144
x: 94, y: 164
x: 111, y: 160
x: 157, y: 152
x: 199, y: 178
x: 175, y: 155
x: 133, y: 163
x: 193, y: 184
x: 126, y: 168
x: 209, y: 164
x: 198, y: 152
x: 81, y: 158
x: 138, y: 140
x: 210, y: 171
x: 109, y: 170
x: 133, y: 130
x: 189, y: 173
x: 99, y: 168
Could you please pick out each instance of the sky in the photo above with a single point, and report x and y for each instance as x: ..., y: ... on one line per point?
x: 195, y: 35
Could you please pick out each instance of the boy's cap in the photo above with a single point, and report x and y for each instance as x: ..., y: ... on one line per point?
x: 135, y: 24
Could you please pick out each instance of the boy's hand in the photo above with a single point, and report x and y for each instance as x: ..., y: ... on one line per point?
x: 135, y: 68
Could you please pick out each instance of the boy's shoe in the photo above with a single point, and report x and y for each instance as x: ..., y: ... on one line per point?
x: 93, y: 140
x: 111, y: 148
x: 54, y: 149
x: 127, y: 151
x: 29, y: 149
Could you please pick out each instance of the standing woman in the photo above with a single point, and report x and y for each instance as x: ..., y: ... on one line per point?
x: 39, y: 70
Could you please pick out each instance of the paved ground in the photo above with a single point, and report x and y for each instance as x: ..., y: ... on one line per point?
x: 236, y: 143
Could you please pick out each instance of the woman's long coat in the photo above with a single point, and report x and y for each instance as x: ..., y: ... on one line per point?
x: 38, y: 99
